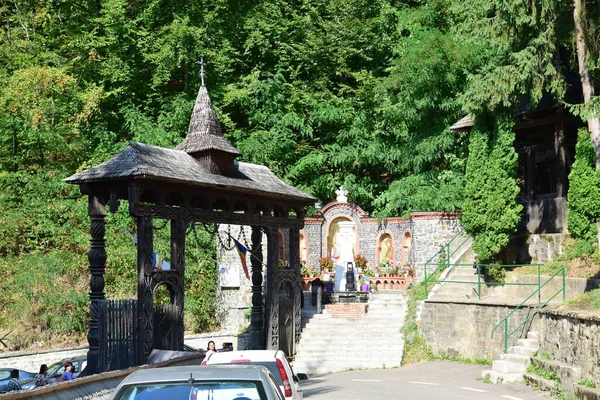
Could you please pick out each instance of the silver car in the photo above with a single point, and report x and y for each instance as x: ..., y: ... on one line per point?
x: 218, y: 382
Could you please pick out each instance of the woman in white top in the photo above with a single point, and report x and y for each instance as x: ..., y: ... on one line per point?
x: 211, y: 348
x: 42, y: 378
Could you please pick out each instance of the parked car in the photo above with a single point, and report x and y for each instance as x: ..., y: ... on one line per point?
x: 219, y: 382
x: 56, y: 370
x: 274, y: 360
x: 5, y: 377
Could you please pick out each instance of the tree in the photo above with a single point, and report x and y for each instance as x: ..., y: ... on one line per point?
x: 490, y: 212
x: 584, y: 190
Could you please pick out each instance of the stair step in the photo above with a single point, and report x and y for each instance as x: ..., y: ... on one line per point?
x: 529, y: 342
x: 507, y: 367
x: 523, y: 350
x: 516, y: 358
x: 498, y: 377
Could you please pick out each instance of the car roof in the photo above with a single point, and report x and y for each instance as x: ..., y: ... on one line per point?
x: 252, y: 355
x: 182, y: 373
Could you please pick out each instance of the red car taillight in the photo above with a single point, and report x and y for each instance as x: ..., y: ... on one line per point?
x: 287, y: 387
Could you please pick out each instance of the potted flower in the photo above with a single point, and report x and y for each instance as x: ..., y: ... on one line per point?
x: 326, y: 264
x: 361, y: 262
x: 364, y: 285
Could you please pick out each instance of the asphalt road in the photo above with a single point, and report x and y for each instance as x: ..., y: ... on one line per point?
x: 425, y: 381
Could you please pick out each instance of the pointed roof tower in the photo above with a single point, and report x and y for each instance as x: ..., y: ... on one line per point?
x: 205, y: 141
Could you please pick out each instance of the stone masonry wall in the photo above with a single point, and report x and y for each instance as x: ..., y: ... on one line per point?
x: 31, y: 361
x: 573, y: 339
x: 464, y: 329
x: 431, y: 231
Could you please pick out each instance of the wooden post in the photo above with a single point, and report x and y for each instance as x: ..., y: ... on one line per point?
x: 144, y: 287
x: 257, y: 321
x: 97, y: 266
x: 178, y: 228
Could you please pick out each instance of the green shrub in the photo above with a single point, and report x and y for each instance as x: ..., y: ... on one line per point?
x: 584, y: 191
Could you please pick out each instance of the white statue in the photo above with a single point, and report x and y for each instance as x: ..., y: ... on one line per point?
x: 342, y: 195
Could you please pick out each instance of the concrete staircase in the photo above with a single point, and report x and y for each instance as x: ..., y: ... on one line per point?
x: 512, y: 366
x: 464, y: 272
x: 373, y: 340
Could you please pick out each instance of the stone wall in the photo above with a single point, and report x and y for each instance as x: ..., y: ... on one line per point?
x: 464, y: 328
x: 572, y: 339
x: 31, y: 361
x: 431, y: 231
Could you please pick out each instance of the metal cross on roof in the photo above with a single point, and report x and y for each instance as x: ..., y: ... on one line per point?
x: 202, y: 73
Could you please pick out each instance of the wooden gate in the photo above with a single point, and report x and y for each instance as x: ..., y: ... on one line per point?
x: 165, y: 326
x: 118, y: 323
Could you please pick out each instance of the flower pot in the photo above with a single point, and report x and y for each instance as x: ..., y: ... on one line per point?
x: 364, y: 287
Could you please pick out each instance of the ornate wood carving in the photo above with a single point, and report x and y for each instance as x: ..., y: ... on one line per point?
x: 294, y: 252
x: 208, y: 216
x: 97, y: 266
x: 272, y: 311
x: 145, y: 287
x: 257, y: 321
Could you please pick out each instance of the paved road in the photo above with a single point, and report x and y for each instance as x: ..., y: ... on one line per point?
x: 425, y: 381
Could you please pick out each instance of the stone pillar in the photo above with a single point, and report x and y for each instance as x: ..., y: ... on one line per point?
x: 97, y: 266
x: 144, y: 287
x: 257, y: 321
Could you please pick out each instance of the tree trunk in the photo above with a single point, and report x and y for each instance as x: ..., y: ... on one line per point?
x: 586, y: 83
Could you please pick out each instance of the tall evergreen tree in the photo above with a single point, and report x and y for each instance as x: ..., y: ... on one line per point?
x: 490, y: 212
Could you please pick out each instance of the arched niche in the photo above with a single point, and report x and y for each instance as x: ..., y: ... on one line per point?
x: 342, y: 239
x: 385, y: 248
x: 406, y: 249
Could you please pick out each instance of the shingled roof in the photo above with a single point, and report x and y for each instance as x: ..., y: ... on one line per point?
x: 204, y: 132
x: 143, y: 161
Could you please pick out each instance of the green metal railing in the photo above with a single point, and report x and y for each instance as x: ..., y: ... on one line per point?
x: 445, y: 251
x: 538, y: 291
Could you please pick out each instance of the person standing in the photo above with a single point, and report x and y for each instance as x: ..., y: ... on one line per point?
x: 68, y: 374
x: 13, y: 384
x: 42, y: 378
x: 211, y: 348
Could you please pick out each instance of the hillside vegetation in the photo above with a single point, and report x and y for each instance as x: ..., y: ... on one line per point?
x: 324, y: 93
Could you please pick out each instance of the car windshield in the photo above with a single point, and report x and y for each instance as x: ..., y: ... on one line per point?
x: 207, y: 390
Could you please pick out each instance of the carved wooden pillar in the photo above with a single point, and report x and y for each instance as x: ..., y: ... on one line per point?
x: 144, y: 286
x: 257, y: 320
x: 272, y: 303
x: 97, y: 260
x: 178, y: 228
x: 294, y: 252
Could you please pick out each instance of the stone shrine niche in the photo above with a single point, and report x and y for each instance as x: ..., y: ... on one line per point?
x: 341, y: 240
x: 385, y: 248
x: 406, y: 249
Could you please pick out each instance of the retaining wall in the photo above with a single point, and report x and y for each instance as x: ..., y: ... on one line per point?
x: 464, y: 328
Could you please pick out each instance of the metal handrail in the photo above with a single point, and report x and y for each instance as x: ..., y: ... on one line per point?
x: 445, y: 248
x: 507, y: 335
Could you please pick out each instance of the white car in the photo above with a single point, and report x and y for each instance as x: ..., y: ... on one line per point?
x: 274, y: 360
x: 219, y: 382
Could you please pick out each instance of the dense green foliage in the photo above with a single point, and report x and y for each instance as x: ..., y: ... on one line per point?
x: 359, y: 93
x: 490, y: 212
x: 584, y: 191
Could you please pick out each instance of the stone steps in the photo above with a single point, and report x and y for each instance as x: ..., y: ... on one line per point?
x: 332, y: 344
x: 513, y: 365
